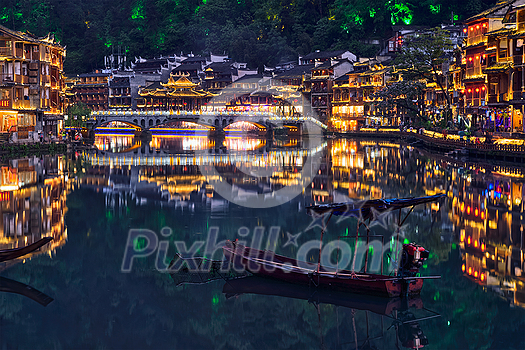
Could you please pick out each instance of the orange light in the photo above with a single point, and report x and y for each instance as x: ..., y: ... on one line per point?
x: 468, y: 240
x: 482, y: 276
x: 483, y: 88
x: 477, y: 89
x: 476, y: 274
x: 470, y: 58
x: 463, y: 267
x: 463, y: 91
x: 468, y: 210
x: 463, y: 204
x: 484, y: 25
x: 471, y: 28
x: 464, y: 30
x: 477, y: 57
x: 476, y: 212
x: 469, y: 90
x: 462, y: 237
x: 484, y: 55
x: 470, y: 270
x: 475, y: 244
x: 483, y: 215
x: 482, y: 246
x: 477, y: 27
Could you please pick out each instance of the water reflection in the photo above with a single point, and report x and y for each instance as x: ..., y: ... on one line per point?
x: 33, y: 204
x: 484, y: 213
x: 475, y: 238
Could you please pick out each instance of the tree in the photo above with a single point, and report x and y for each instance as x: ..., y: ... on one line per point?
x: 77, y: 113
x: 402, y: 95
x: 422, y: 58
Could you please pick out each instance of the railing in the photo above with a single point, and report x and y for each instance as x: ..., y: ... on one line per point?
x: 5, y: 51
x: 197, y: 113
x: 6, y: 78
x: 453, y: 141
x: 473, y: 40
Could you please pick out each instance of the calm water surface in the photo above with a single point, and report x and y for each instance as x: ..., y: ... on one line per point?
x: 89, y: 202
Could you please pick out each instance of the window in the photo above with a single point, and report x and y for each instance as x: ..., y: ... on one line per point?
x: 503, y: 48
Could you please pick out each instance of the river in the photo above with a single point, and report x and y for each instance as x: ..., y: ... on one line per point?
x: 192, y: 193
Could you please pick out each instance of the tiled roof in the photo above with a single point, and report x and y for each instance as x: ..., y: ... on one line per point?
x: 296, y: 72
x: 498, y: 67
x: 499, y: 5
x: 323, y: 55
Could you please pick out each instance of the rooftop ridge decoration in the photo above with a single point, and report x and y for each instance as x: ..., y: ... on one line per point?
x: 49, y: 39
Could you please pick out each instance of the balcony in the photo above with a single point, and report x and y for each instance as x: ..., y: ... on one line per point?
x: 477, y: 39
x: 497, y: 98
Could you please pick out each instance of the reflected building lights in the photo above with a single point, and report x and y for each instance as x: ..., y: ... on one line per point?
x: 32, y: 206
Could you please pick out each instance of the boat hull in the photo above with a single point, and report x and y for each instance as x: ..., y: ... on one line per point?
x: 269, y: 264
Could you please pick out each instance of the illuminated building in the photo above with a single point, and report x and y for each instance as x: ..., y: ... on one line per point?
x: 92, y: 89
x: 119, y: 92
x: 31, y: 82
x: 493, y: 57
x: 218, y: 75
x: 321, y: 82
x: 180, y: 94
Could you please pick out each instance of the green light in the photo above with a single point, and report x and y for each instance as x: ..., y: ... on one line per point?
x: 215, y: 300
x: 435, y: 9
x: 372, y: 12
x: 139, y: 243
x: 456, y: 18
x: 352, y: 17
x: 454, y: 246
x: 406, y: 241
x: 400, y: 13
x: 108, y: 43
x: 436, y: 296
x: 371, y: 249
x: 425, y: 266
x: 197, y: 9
x: 448, y: 323
x: 138, y: 11
x: 161, y: 39
x: 204, y: 1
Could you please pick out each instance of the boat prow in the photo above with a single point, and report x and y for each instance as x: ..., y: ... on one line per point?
x: 10, y: 254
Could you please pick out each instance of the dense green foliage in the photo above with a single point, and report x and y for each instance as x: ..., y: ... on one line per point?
x: 257, y: 32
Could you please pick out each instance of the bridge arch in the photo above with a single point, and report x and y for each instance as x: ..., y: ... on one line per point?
x: 104, y: 122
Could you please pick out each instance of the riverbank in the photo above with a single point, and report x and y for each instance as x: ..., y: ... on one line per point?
x: 15, y: 150
x: 500, y: 148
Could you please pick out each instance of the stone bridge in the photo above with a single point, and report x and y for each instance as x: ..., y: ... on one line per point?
x: 217, y: 120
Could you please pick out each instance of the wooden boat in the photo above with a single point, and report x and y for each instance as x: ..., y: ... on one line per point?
x: 404, y: 282
x: 9, y: 286
x: 10, y: 254
x: 266, y: 286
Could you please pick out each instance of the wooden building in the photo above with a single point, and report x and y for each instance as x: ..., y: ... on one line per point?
x: 92, y: 89
x: 31, y: 81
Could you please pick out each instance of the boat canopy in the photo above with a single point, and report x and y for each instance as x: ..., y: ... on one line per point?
x: 366, y: 209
